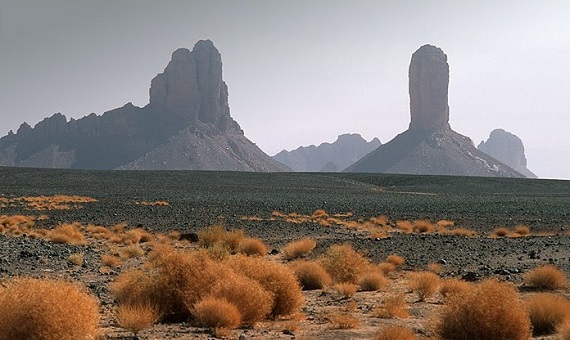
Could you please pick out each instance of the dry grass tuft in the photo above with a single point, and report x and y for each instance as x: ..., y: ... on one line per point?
x: 547, y: 312
x: 300, y: 248
x: 68, y: 234
x: 209, y: 236
x: 546, y: 277
x: 563, y: 331
x: 405, y: 226
x: 522, y: 230
x: 344, y: 264
x: 500, y: 232
x: 393, y: 306
x: 343, y: 321
x: 423, y: 226
x: 346, y: 289
x: 111, y: 260
x: 216, y: 313
x: 393, y: 332
x: 132, y: 251
x: 454, y: 286
x: 311, y: 275
x: 373, y: 281
x: 136, y: 318
x: 394, y: 259
x: 46, y: 309
x: 386, y: 268
x: 491, y: 311
x: 76, y: 259
x: 425, y: 284
x: 252, y: 246
x: 435, y: 268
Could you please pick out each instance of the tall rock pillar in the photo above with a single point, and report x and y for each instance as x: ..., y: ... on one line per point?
x: 429, y: 81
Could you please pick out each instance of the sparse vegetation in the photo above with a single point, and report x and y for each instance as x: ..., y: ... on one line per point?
x: 343, y: 321
x: 252, y: 246
x: 346, y: 289
x: 394, y: 259
x: 393, y: 332
x: 137, y: 317
x: 76, y: 259
x: 500, y: 232
x: 546, y: 277
x: 311, y: 275
x: 215, y: 313
x: 547, y: 312
x: 299, y: 248
x: 491, y: 311
x: 344, y: 264
x: 372, y: 281
x: 425, y: 284
x: 67, y: 233
x: 393, y: 306
x: 454, y: 286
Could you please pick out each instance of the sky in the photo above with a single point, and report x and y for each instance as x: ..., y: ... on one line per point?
x: 301, y: 72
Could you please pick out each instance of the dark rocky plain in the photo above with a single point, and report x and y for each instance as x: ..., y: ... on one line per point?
x: 200, y: 199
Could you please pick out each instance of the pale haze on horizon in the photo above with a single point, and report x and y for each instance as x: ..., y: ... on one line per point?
x: 301, y: 72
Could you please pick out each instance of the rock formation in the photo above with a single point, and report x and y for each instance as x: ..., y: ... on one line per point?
x: 507, y: 148
x: 328, y: 157
x: 186, y: 125
x: 430, y: 146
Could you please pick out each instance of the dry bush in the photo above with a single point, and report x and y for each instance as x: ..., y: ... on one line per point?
x: 276, y: 278
x: 491, y: 311
x: 110, y: 260
x: 435, y: 268
x: 423, y: 226
x: 68, y: 234
x: 232, y: 239
x: 405, y: 226
x: 381, y: 220
x: 252, y: 246
x: 386, y: 267
x: 563, y: 330
x: 347, y: 289
x: 454, y: 286
x: 218, y: 252
x: 251, y: 299
x: 344, y: 264
x: 216, y: 313
x: 299, y: 248
x: 547, y: 312
x: 500, y: 232
x: 394, y: 259
x: 319, y: 213
x: 311, y: 275
x: 99, y: 232
x: 131, y: 251
x: 343, y: 321
x: 76, y: 259
x: 546, y: 277
x: 207, y: 237
x: 445, y: 223
x: 47, y: 310
x: 372, y: 281
x: 133, y: 287
x: 394, y: 332
x: 136, y: 318
x: 425, y: 284
x: 522, y: 230
x: 139, y: 235
x: 393, y: 306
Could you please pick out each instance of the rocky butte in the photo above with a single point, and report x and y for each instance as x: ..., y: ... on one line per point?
x: 186, y: 126
x: 508, y: 148
x: 430, y: 146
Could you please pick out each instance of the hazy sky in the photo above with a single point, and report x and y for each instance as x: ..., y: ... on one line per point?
x: 301, y: 72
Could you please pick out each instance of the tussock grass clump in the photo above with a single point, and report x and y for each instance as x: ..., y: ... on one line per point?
x: 393, y: 332
x: 274, y: 277
x: 216, y: 313
x: 394, y: 259
x: 76, y: 259
x: 425, y: 284
x: 136, y: 318
x: 423, y: 226
x: 563, y: 330
x: 393, y: 306
x: 491, y: 311
x: 435, y: 268
x: 546, y: 277
x: 311, y: 275
x: 547, y: 312
x: 344, y: 264
x: 522, y: 230
x: 299, y: 248
x: 386, y: 268
x: 372, y: 281
x: 252, y: 246
x: 46, y: 309
x: 132, y: 251
x: 500, y: 232
x: 405, y: 226
x: 343, y: 321
x: 207, y: 237
x: 111, y: 260
x: 454, y: 286
x: 346, y: 289
x: 68, y: 234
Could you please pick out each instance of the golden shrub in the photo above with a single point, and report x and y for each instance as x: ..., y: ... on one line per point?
x: 216, y: 313
x: 343, y: 321
x: 500, y: 232
x: 347, y: 289
x: 372, y: 281
x: 491, y: 311
x: 454, y: 286
x: 563, y: 330
x: 252, y: 246
x: 425, y: 284
x: 138, y: 317
x: 299, y: 248
x: 207, y: 237
x: 394, y: 259
x: 546, y: 277
x: 394, y: 332
x: 311, y: 275
x: 393, y: 306
x: 68, y: 234
x: 46, y: 309
x: 344, y: 264
x: 386, y: 267
x: 110, y: 260
x: 423, y: 226
x: 547, y: 312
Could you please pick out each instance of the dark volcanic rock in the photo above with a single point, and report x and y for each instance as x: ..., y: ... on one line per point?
x: 430, y: 146
x: 508, y: 148
x: 186, y: 125
x: 328, y: 157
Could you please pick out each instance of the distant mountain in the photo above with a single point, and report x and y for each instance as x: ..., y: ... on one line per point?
x: 508, y: 148
x: 187, y: 125
x: 328, y: 157
x: 430, y: 146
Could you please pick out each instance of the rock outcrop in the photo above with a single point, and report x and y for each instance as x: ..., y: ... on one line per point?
x: 186, y: 125
x: 507, y: 148
x: 430, y: 146
x: 328, y: 157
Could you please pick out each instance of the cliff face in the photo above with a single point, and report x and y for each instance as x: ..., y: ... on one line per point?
x: 430, y: 146
x: 507, y: 148
x: 328, y: 157
x: 186, y: 125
